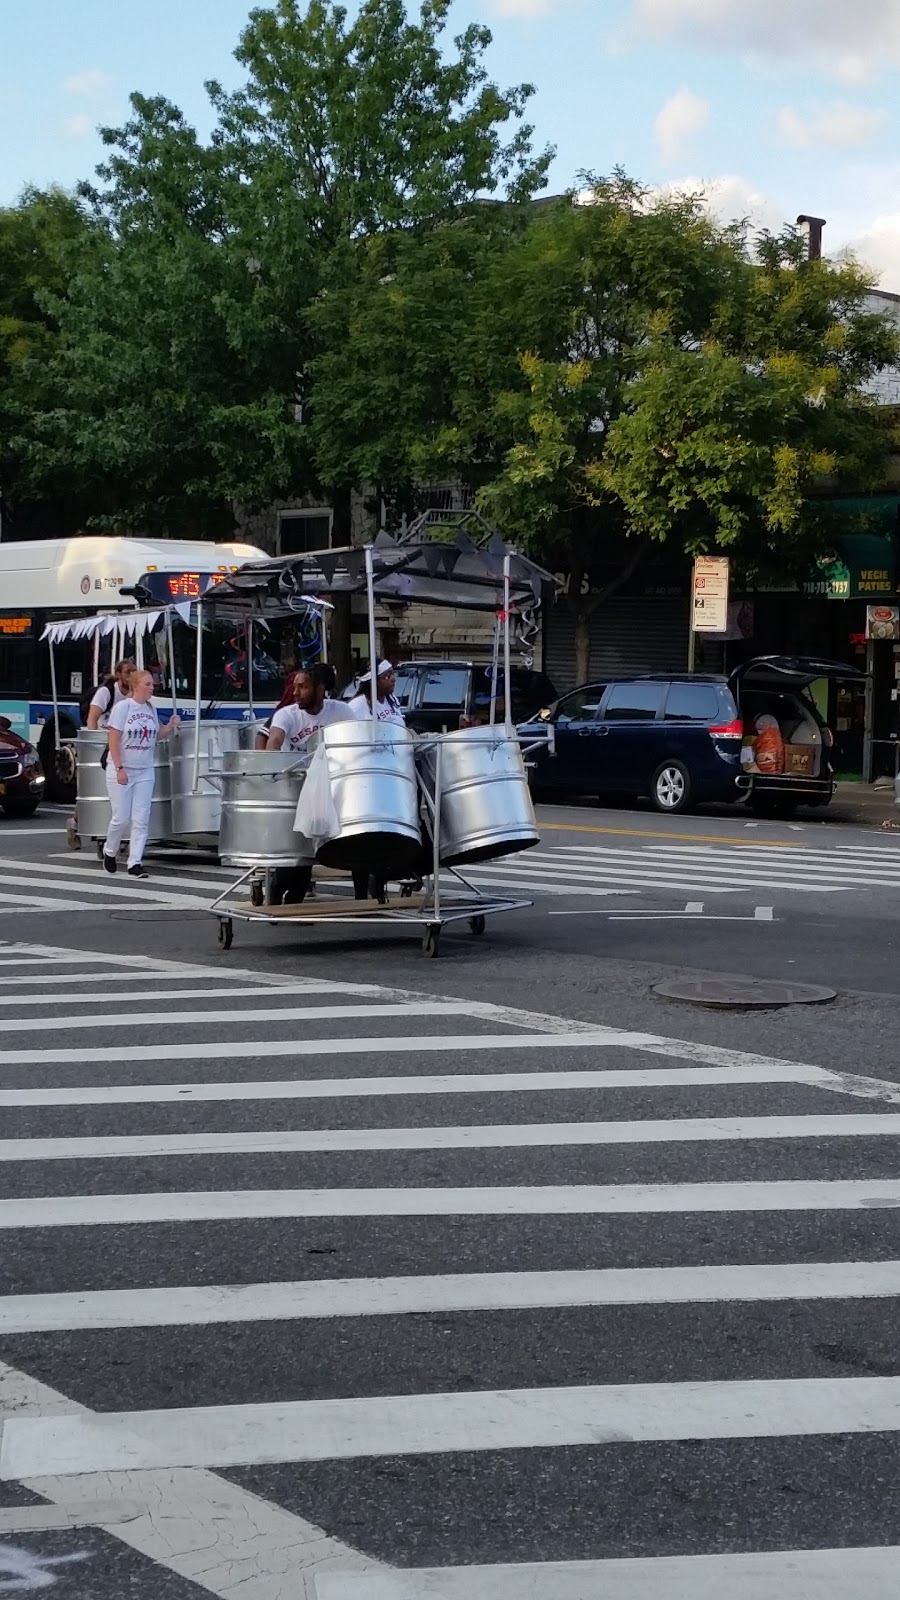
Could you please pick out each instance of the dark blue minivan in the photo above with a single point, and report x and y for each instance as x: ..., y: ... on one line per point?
x: 679, y: 741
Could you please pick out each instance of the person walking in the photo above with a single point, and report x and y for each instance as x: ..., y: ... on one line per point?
x: 108, y: 695
x: 130, y: 775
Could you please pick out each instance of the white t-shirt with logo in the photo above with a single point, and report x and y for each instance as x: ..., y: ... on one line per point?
x: 138, y: 725
x: 101, y: 698
x: 298, y: 725
x: 386, y: 710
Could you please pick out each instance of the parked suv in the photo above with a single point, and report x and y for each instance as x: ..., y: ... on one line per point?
x: 684, y: 739
x: 456, y: 694
x: 21, y: 774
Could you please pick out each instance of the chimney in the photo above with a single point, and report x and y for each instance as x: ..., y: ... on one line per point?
x: 814, y: 225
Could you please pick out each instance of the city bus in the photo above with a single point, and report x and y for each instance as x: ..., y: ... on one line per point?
x: 48, y: 580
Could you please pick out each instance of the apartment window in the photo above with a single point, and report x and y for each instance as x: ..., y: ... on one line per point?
x: 300, y: 531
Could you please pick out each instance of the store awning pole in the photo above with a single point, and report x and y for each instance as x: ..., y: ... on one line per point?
x: 507, y: 700
x: 53, y: 688
x: 373, y: 653
x: 198, y: 668
x: 250, y: 666
x: 171, y: 648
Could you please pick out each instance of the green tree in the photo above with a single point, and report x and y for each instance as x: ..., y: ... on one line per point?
x: 187, y: 374
x: 42, y: 240
x: 631, y: 376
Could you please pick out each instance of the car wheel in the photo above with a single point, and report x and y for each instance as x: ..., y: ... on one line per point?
x: 670, y: 788
x: 20, y: 808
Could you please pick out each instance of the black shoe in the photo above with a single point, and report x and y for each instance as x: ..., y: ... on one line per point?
x: 138, y: 871
x: 109, y: 862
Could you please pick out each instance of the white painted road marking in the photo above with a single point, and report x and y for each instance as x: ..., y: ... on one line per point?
x: 446, y: 1293
x: 627, y: 1199
x: 866, y: 1574
x: 227, y: 1019
x: 430, y: 1424
x: 475, y: 1136
x: 123, y: 1094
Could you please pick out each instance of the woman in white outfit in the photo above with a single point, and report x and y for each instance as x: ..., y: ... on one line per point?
x: 133, y: 731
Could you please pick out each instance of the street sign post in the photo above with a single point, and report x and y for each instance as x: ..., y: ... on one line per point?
x: 709, y: 599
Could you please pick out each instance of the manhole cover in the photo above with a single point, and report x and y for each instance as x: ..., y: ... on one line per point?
x: 742, y: 993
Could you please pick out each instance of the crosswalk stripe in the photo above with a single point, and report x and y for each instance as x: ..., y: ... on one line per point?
x: 267, y: 1048
x: 185, y: 1305
x: 649, y: 876
x: 95, y: 871
x: 714, y: 866
x: 227, y: 1019
x: 126, y: 997
x: 854, y: 1574
x: 430, y: 1424
x: 11, y: 903
x: 635, y: 1199
x: 444, y: 1083
x: 491, y: 878
x: 107, y: 888
x: 478, y: 1136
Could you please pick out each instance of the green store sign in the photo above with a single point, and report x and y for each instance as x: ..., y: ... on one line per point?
x: 860, y: 560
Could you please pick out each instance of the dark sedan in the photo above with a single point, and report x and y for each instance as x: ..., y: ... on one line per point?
x: 21, y: 774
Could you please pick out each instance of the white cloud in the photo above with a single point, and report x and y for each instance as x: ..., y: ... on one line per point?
x: 87, y: 84
x: 878, y: 247
x: 522, y: 8
x: 850, y: 40
x: 683, y: 115
x: 839, y: 126
x: 731, y: 198
x: 77, y: 127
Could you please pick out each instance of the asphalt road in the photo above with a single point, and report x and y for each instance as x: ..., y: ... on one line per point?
x: 463, y: 1304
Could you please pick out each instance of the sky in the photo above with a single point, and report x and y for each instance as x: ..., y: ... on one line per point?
x: 774, y: 107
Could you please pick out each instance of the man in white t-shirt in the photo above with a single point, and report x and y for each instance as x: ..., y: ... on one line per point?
x: 109, y: 695
x: 293, y: 725
x: 291, y: 729
x: 130, y: 773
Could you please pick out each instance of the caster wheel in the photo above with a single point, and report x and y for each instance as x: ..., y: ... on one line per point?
x: 477, y: 925
x: 99, y: 848
x: 431, y: 944
x: 225, y: 935
x: 257, y: 894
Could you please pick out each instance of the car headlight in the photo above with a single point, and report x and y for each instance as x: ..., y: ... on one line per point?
x: 30, y: 759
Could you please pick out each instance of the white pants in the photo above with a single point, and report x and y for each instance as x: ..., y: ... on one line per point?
x: 130, y: 803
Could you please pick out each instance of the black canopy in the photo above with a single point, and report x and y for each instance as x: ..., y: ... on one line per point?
x: 446, y: 568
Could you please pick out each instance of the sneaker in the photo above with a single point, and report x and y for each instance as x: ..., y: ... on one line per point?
x: 138, y: 871
x: 110, y: 862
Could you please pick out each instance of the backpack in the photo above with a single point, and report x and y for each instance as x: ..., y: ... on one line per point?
x: 84, y: 705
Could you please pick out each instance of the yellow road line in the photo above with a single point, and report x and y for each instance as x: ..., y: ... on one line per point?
x: 685, y: 838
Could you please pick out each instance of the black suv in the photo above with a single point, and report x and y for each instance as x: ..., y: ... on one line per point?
x: 438, y: 695
x: 681, y: 740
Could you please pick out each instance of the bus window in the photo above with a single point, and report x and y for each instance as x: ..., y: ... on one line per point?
x: 17, y: 661
x: 224, y: 664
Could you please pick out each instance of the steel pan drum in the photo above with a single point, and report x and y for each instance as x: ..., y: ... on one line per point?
x: 200, y: 813
x: 486, y: 807
x: 92, y: 804
x: 373, y: 782
x: 260, y: 790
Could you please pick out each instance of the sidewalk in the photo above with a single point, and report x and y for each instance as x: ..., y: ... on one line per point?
x: 866, y: 805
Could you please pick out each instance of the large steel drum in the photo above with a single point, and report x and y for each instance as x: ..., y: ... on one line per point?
x: 260, y: 790
x: 200, y: 813
x: 92, y: 804
x: 486, y: 809
x: 373, y: 782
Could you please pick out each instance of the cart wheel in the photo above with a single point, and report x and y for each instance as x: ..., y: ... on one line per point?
x: 257, y: 894
x: 225, y: 935
x: 477, y: 924
x: 98, y: 846
x: 431, y: 944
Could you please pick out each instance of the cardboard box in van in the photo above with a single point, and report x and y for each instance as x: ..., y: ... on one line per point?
x: 800, y: 760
